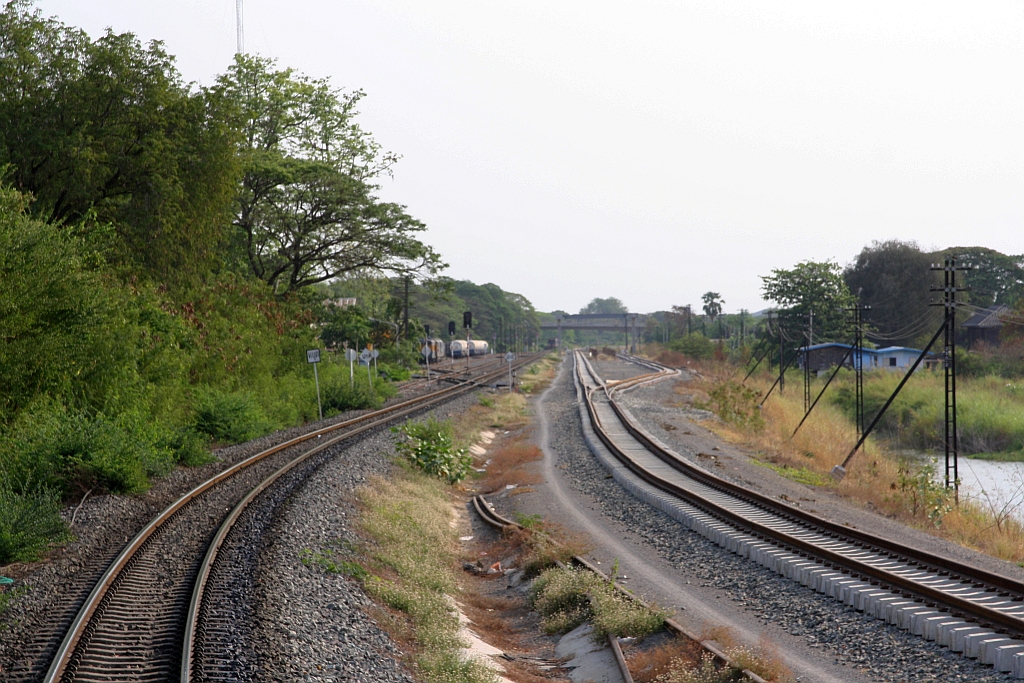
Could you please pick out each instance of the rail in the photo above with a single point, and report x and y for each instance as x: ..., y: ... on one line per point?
x: 65, y: 661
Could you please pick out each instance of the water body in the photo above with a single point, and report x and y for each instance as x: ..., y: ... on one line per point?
x: 997, y: 486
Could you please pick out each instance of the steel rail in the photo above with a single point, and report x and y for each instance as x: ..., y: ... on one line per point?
x: 97, y: 598
x: 192, y: 626
x: 931, y: 596
x: 496, y: 521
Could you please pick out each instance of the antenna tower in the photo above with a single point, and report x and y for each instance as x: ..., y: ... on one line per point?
x: 240, y: 31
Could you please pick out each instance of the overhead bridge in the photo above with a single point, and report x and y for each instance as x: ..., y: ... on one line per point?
x: 629, y: 324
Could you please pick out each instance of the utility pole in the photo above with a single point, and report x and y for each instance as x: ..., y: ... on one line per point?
x: 949, y: 291
x: 239, y: 30
x: 858, y: 365
x: 405, y: 315
x: 782, y: 363
x: 807, y: 363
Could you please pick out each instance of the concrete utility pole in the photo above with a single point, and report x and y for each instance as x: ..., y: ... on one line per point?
x: 239, y: 30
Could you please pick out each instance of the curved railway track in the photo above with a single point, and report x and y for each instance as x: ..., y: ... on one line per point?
x: 146, y: 618
x: 967, y: 609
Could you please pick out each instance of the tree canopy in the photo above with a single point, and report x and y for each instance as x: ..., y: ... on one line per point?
x: 104, y: 131
x: 306, y: 209
x: 599, y: 305
x: 894, y: 279
x: 811, y: 286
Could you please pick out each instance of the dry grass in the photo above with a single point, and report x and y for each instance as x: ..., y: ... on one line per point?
x: 539, y: 375
x: 647, y: 666
x: 876, y: 477
x: 409, y: 557
x: 497, y: 411
x: 511, y: 464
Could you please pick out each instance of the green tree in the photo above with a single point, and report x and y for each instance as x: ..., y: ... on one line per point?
x: 895, y: 280
x: 306, y: 211
x: 811, y: 286
x: 712, y: 304
x: 995, y: 278
x: 105, y: 131
x: 599, y: 305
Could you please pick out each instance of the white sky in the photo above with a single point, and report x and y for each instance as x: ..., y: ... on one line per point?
x: 653, y: 151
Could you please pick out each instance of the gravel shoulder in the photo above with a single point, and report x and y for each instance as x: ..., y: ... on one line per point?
x: 820, y: 639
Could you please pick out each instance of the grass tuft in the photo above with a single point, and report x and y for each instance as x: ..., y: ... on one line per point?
x: 566, y: 598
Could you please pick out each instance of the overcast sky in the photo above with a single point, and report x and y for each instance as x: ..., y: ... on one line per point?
x: 653, y: 151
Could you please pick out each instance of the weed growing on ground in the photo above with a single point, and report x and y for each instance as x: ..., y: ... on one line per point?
x: 566, y: 598
x: 29, y: 522
x: 429, y: 446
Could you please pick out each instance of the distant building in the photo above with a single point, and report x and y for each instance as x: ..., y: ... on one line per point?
x: 343, y: 302
x: 984, y: 327
x: 823, y: 357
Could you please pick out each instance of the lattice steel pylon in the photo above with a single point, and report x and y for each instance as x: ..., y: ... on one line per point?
x: 951, y: 436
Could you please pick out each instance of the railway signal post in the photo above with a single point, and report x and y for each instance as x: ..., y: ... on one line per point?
x: 313, y: 357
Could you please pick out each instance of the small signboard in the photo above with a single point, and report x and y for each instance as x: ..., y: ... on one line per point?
x: 313, y: 356
x: 365, y: 354
x: 351, y: 355
x: 374, y: 353
x: 509, y: 357
x: 425, y: 351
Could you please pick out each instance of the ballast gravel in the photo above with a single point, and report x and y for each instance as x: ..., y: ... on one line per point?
x: 50, y: 592
x: 292, y: 620
x: 875, y: 648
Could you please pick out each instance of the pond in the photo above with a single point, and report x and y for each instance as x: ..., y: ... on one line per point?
x: 996, y: 486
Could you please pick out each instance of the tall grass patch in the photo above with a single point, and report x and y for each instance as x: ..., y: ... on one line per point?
x: 411, y: 547
x: 566, y: 598
x: 29, y: 522
x: 894, y: 485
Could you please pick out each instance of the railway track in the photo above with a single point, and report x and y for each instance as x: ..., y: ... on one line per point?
x: 453, y: 372
x: 969, y: 610
x: 151, y: 615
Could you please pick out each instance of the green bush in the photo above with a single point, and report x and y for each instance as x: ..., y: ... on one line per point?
x: 430, y: 447
x: 990, y: 415
x: 68, y: 451
x: 357, y: 393
x: 734, y: 403
x: 228, y: 417
x: 190, y: 447
x: 29, y: 522
x: 694, y: 345
x: 566, y: 598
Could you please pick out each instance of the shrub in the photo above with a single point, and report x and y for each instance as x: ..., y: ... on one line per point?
x: 191, y: 448
x: 734, y: 403
x: 566, y: 598
x: 228, y: 417
x: 693, y: 345
x: 430, y: 447
x: 29, y: 522
x: 65, y: 450
x: 342, y: 393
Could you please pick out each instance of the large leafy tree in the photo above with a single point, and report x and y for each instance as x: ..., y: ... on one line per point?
x: 895, y: 280
x: 816, y: 287
x: 995, y: 278
x: 306, y: 210
x: 104, y: 132
x: 599, y: 305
